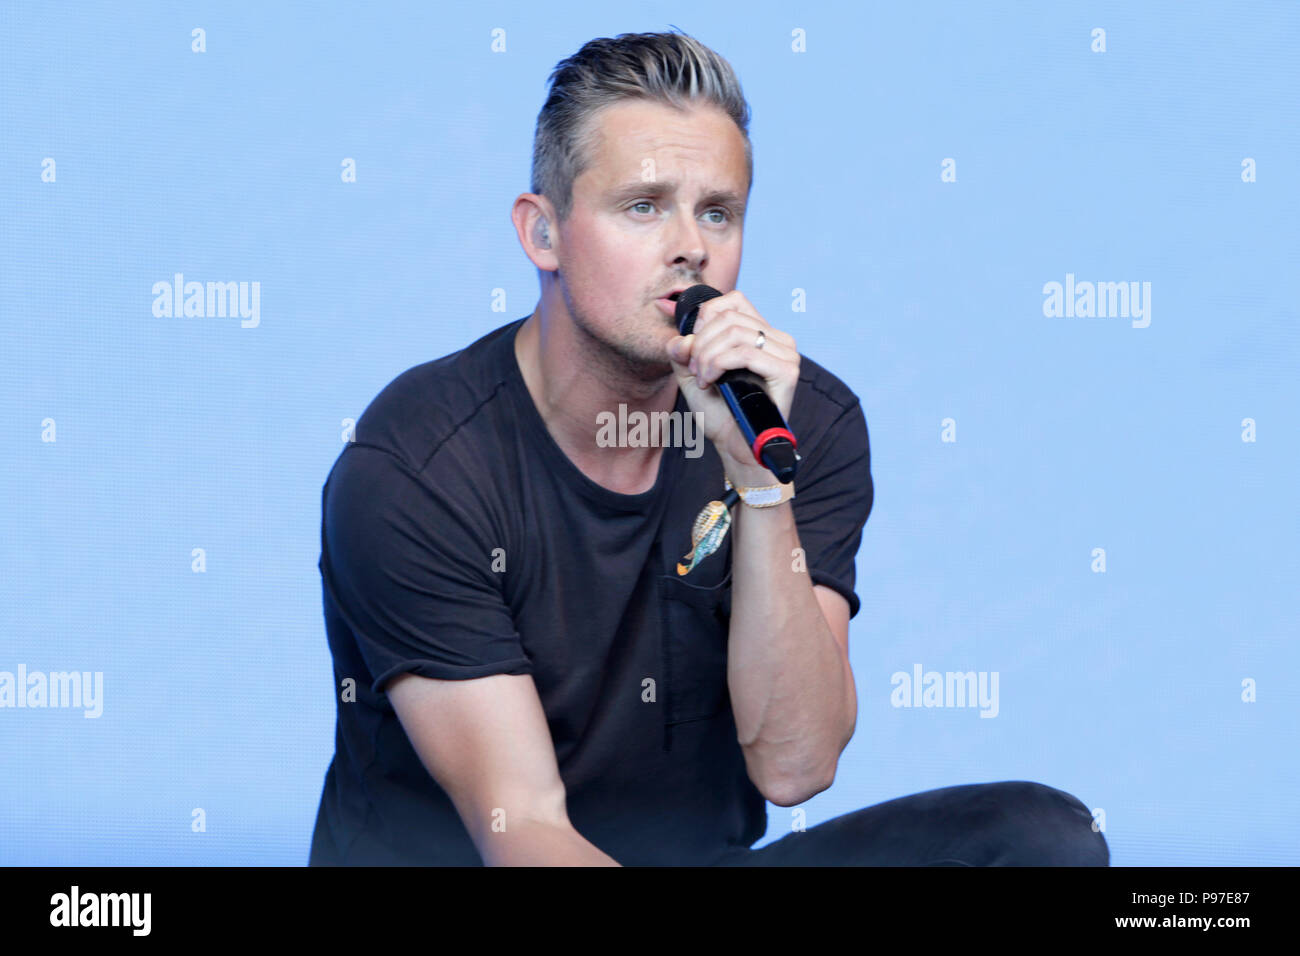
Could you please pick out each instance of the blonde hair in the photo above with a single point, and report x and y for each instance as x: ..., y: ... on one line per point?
x: 670, y: 68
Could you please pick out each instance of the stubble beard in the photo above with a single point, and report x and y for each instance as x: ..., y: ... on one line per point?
x: 634, y: 357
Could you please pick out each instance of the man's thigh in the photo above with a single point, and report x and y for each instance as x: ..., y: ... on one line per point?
x: 1010, y: 823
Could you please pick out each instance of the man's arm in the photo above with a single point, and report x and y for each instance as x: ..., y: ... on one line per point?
x: 792, y: 689
x: 788, y: 673
x: 485, y: 742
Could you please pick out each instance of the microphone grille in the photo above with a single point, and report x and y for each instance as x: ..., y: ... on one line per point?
x: 687, y: 304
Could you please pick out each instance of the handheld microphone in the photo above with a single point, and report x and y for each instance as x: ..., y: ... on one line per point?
x: 769, y: 437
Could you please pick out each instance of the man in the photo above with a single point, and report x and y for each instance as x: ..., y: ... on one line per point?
x: 529, y: 676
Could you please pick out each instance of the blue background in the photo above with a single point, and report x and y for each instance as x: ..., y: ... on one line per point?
x: 925, y: 297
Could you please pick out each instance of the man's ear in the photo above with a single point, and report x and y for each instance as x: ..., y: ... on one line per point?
x: 534, y: 220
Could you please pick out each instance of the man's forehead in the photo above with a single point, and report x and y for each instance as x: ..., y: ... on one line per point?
x: 626, y: 133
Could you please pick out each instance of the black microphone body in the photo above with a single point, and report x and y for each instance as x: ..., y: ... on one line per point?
x: 758, y: 418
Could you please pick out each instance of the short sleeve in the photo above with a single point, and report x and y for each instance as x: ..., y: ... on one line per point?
x: 833, y: 496
x: 410, y: 571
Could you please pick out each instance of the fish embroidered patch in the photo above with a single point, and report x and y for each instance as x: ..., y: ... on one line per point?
x: 710, y: 527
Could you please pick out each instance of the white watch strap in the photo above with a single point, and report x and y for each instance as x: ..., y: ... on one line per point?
x: 763, y: 496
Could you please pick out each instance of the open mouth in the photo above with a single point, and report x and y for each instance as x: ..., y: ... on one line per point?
x: 672, y: 297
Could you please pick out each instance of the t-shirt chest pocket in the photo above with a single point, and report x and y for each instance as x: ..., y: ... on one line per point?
x: 696, y: 610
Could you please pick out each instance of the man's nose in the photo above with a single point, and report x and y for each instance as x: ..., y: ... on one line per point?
x: 688, y: 244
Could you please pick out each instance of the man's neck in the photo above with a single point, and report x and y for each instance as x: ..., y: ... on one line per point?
x: 571, y: 386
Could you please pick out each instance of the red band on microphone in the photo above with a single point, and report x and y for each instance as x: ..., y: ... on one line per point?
x: 766, y: 435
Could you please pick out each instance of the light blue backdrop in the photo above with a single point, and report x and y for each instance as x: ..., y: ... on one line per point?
x: 925, y: 296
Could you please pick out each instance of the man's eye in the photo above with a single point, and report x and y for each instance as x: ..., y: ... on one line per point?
x: 725, y: 213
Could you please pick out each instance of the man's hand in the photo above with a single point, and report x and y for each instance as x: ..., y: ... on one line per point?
x: 725, y: 337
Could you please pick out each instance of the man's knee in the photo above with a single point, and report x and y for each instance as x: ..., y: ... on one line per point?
x: 1043, y: 826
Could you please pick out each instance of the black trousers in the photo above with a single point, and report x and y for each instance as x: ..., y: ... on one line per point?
x: 1011, y: 823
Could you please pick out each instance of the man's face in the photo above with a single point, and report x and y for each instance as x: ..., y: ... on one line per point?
x: 660, y: 206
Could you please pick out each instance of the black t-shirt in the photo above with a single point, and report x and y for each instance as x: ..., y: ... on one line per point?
x: 452, y: 461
